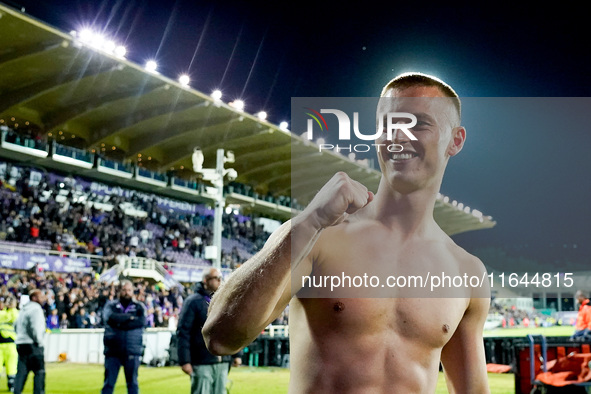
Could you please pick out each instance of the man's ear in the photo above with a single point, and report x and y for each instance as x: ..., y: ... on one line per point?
x: 457, y: 141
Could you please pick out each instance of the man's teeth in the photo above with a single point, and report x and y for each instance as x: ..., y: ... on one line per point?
x: 401, y: 156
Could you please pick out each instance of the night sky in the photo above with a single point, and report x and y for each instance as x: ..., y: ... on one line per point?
x: 529, y: 168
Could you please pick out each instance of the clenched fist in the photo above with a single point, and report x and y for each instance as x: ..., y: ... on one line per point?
x: 339, y: 197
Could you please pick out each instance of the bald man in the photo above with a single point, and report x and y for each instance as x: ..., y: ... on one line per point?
x: 208, y: 372
x: 370, y: 340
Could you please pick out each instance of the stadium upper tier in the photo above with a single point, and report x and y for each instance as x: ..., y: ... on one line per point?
x: 43, y: 210
x: 82, y: 92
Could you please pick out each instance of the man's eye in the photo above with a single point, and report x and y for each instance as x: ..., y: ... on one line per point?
x: 421, y: 125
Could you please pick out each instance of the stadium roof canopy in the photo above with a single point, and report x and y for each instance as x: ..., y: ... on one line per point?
x: 81, y: 93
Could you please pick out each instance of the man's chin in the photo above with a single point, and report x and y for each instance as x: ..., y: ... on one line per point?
x: 402, y: 183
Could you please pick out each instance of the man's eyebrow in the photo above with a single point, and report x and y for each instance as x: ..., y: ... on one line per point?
x: 424, y: 116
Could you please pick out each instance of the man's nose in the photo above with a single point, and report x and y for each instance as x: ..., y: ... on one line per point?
x: 399, y: 136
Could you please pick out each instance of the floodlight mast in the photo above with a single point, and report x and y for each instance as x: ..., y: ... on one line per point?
x: 216, y: 176
x: 220, y: 203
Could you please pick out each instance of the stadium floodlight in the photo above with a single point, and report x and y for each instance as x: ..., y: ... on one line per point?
x: 184, y: 80
x: 109, y: 46
x: 97, y: 40
x: 86, y: 35
x: 120, y: 51
x: 238, y: 104
x: 216, y: 94
x: 283, y: 125
x: 197, y: 159
x: 151, y: 66
x: 262, y: 115
x: 230, y: 158
x: 231, y: 173
x: 228, y: 210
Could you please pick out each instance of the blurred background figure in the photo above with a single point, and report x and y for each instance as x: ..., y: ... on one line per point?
x: 8, y: 353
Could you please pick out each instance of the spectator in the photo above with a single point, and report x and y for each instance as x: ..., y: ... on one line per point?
x: 159, y: 318
x: 64, y: 322
x: 583, y: 324
x: 208, y: 372
x: 125, y: 320
x: 53, y: 321
x: 82, y: 319
x: 8, y: 352
x: 30, y: 331
x: 93, y: 320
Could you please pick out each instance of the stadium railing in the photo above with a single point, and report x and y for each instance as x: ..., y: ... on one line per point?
x: 23, y: 144
x: 16, y: 248
x: 70, y: 155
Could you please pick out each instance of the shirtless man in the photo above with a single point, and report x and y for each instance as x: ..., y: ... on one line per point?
x: 357, y: 343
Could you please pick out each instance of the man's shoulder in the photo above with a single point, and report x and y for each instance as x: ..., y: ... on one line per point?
x: 465, y: 259
x: 194, y: 299
x: 138, y: 303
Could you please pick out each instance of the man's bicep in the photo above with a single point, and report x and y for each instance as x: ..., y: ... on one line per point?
x: 463, y: 357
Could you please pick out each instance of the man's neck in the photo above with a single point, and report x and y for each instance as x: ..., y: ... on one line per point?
x: 411, y: 213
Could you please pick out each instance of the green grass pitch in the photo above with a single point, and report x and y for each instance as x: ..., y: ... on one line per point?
x: 87, y: 378
x: 555, y: 331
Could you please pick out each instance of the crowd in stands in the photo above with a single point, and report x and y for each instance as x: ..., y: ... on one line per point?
x: 76, y: 300
x: 32, y: 212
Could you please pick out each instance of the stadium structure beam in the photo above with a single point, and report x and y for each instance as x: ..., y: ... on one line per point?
x: 27, y: 51
x: 276, y: 151
x: 270, y: 166
x: 60, y: 116
x: 20, y: 96
x: 177, y: 131
x: 146, y: 116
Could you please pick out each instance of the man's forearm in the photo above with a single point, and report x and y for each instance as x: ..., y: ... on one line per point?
x: 260, y: 289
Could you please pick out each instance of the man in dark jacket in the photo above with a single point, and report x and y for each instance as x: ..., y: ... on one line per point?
x: 208, y: 372
x: 125, y: 320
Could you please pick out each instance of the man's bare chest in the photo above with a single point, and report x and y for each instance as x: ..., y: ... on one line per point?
x: 431, y: 321
x: 350, y: 267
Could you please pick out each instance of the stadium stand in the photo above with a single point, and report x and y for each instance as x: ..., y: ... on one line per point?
x: 63, y: 214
